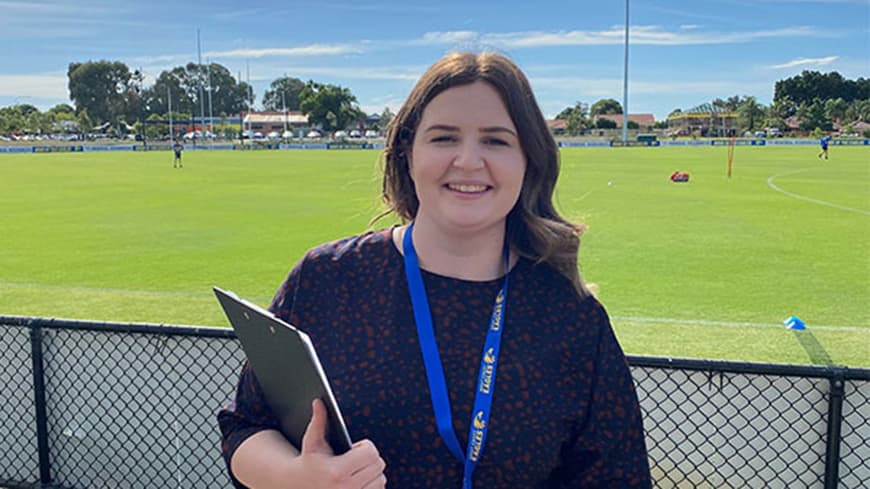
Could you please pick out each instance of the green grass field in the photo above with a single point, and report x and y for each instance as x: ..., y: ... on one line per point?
x: 708, y: 269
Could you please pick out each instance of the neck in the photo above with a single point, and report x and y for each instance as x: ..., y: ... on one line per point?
x: 468, y: 256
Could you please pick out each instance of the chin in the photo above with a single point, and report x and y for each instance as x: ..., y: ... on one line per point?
x: 467, y: 224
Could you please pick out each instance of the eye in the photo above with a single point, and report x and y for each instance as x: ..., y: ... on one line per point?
x: 496, y: 142
x: 443, y: 139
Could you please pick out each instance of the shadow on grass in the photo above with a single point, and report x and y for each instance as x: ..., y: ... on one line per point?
x: 814, y: 349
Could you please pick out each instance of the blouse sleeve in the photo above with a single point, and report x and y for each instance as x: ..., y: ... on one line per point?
x: 249, y: 412
x: 610, y: 450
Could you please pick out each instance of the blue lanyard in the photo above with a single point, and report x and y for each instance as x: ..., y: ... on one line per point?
x: 435, y: 373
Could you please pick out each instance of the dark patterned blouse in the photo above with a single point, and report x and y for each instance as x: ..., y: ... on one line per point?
x: 564, y: 413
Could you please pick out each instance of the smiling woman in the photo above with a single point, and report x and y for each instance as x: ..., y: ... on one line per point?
x: 415, y: 324
x: 467, y: 166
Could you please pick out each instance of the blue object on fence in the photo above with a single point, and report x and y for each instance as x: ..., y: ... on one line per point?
x: 794, y: 322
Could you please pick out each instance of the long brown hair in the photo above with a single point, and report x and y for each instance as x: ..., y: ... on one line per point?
x: 534, y: 229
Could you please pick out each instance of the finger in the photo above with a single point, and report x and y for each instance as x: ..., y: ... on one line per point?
x: 370, y: 472
x: 378, y: 482
x: 314, y: 440
x: 361, y: 455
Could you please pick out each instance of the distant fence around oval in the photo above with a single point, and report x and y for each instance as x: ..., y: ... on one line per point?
x: 277, y: 145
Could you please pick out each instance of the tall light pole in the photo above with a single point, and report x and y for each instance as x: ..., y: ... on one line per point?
x: 210, y: 110
x: 251, y: 97
x: 169, y: 99
x: 284, y: 104
x: 242, y: 115
x: 625, y: 83
x: 201, y: 98
x: 284, y: 109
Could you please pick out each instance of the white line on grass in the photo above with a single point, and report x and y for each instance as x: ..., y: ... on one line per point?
x: 634, y: 319
x: 808, y: 199
x: 734, y: 324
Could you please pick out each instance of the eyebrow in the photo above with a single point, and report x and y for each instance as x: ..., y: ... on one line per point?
x: 490, y: 130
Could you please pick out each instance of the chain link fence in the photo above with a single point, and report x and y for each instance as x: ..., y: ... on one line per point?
x: 110, y: 405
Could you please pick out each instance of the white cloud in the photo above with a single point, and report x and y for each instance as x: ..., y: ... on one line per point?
x: 689, y: 27
x: 448, y: 37
x: 646, y: 35
x: 376, y: 105
x: 612, y: 87
x: 37, y: 86
x: 400, y: 73
x: 310, y: 50
x: 160, y: 59
x: 807, y: 62
x: 19, y: 8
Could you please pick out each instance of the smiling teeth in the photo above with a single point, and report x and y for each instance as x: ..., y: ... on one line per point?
x: 467, y: 188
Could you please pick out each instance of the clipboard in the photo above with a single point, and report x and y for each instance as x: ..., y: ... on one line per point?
x: 286, y: 365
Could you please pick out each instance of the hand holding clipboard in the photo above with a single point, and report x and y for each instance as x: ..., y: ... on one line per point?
x: 287, y: 368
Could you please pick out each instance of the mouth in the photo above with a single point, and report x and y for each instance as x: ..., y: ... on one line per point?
x: 467, y: 188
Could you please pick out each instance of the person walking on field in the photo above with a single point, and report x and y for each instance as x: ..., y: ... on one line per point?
x: 824, y: 144
x: 178, y: 148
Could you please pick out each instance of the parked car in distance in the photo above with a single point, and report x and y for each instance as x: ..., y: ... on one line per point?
x: 313, y: 135
x: 354, y: 134
x: 371, y: 134
x: 774, y: 132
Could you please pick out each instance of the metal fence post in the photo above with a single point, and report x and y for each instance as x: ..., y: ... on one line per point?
x: 835, y: 421
x: 39, y: 401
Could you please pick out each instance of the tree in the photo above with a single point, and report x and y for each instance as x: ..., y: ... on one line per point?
x: 169, y: 83
x: 11, y: 120
x: 858, y: 110
x: 835, y: 109
x: 566, y: 113
x: 107, y: 90
x: 812, y: 116
x: 155, y: 129
x: 750, y: 114
x: 386, y: 119
x: 84, y: 122
x: 62, y: 109
x: 605, y: 124
x: 577, y: 117
x: 330, y: 106
x: 286, y: 87
x: 811, y: 85
x: 605, y: 106
x: 732, y: 104
x: 229, y: 96
x: 184, y: 82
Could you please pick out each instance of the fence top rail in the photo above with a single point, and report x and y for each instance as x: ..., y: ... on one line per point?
x: 779, y: 369
x: 116, y: 327
x: 723, y: 366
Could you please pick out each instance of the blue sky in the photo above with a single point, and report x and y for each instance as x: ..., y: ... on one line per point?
x: 683, y: 53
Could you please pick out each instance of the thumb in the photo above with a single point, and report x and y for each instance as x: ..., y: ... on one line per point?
x: 314, y: 440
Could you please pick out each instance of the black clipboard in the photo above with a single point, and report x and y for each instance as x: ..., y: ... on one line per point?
x: 286, y: 365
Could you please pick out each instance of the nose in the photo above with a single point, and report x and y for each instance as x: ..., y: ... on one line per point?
x: 469, y: 157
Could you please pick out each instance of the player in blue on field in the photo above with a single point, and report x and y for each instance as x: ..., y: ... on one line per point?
x: 824, y: 143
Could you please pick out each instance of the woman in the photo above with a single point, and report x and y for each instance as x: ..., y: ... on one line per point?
x: 462, y: 347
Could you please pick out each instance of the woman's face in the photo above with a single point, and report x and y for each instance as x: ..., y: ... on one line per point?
x: 466, y: 161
